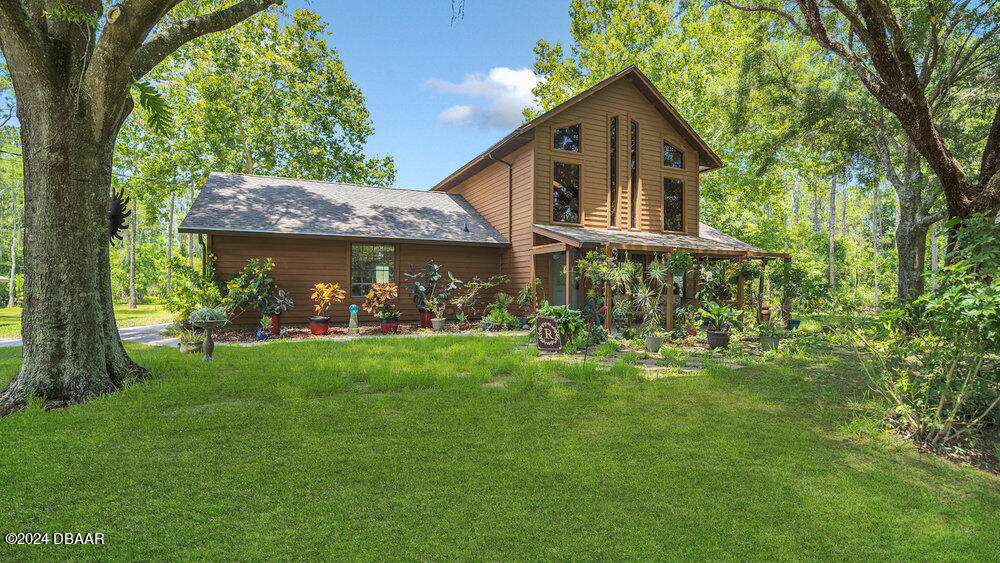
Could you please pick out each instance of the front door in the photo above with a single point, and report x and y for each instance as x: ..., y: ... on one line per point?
x: 559, y: 279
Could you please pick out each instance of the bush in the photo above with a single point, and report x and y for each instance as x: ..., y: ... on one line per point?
x: 570, y: 320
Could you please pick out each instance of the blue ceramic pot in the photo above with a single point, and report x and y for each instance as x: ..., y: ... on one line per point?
x: 262, y: 334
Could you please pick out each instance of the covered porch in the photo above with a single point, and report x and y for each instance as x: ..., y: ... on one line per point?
x: 558, y: 247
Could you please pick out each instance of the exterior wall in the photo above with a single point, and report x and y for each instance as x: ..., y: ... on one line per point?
x: 487, y: 191
x: 593, y: 113
x: 302, y: 262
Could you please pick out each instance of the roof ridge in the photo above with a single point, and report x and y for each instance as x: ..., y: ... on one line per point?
x: 326, y: 182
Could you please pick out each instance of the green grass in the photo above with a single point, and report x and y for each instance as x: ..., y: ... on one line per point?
x: 10, y: 317
x: 412, y: 449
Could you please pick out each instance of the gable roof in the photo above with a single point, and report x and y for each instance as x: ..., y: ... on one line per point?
x: 707, y: 158
x: 248, y: 204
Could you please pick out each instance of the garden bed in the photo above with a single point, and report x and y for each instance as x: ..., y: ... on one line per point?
x: 296, y: 331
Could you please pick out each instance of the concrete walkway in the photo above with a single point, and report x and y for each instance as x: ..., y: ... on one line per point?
x: 146, y: 334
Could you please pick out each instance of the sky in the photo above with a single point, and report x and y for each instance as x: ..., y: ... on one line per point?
x: 440, y: 93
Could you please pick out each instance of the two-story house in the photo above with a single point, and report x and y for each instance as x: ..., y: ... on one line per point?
x: 614, y: 168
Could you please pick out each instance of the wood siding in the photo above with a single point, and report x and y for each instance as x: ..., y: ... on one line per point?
x: 620, y: 99
x: 487, y: 191
x: 302, y: 262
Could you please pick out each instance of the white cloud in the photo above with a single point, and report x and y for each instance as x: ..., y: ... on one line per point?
x: 505, y: 93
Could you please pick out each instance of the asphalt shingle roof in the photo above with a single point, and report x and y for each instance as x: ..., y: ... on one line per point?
x: 264, y: 204
x: 709, y: 238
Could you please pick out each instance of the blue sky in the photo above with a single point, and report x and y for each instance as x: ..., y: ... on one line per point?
x: 440, y: 93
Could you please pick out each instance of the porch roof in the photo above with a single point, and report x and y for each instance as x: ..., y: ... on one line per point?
x: 709, y: 241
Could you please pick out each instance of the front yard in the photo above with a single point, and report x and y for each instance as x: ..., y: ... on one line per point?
x: 466, y: 447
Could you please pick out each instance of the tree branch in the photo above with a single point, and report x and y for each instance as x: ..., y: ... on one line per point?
x: 162, y: 44
x: 767, y: 9
x: 25, y: 47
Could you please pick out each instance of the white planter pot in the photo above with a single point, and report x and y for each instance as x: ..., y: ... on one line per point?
x: 438, y: 324
x: 653, y: 344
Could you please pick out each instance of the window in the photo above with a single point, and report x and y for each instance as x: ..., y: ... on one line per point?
x: 673, y: 205
x: 565, y: 192
x: 633, y: 171
x: 370, y: 264
x: 567, y: 138
x: 613, y: 170
x: 672, y: 157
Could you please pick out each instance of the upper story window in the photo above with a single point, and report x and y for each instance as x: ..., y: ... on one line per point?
x: 633, y: 159
x: 371, y: 264
x: 672, y: 157
x: 613, y: 171
x: 567, y: 138
x: 565, y: 192
x: 673, y: 204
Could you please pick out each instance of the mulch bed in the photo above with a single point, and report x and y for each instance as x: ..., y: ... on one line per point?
x: 248, y: 333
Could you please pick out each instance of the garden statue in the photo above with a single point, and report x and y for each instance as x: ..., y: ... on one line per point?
x: 352, y: 327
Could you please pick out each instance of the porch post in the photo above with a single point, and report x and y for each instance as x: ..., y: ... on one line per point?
x: 760, y: 296
x: 534, y: 289
x: 739, y: 296
x: 607, y: 294
x: 786, y: 303
x: 670, y: 297
x: 569, y: 277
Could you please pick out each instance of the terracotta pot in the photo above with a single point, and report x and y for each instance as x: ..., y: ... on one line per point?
x: 438, y: 324
x: 692, y: 332
x: 425, y: 319
x: 389, y: 326
x: 319, y: 325
x: 275, y: 324
x: 717, y: 339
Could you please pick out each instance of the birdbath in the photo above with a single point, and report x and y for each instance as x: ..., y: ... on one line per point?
x: 208, y: 345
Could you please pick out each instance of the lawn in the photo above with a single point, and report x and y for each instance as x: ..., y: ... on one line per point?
x: 467, y: 448
x: 10, y: 317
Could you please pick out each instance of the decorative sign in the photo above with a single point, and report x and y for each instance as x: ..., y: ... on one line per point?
x: 547, y: 334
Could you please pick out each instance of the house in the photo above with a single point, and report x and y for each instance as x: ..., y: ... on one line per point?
x: 614, y: 168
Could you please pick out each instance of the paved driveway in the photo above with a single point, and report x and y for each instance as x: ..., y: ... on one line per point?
x: 146, y: 334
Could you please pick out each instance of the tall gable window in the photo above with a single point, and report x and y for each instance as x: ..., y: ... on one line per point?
x: 565, y: 192
x: 673, y: 205
x: 567, y: 138
x: 613, y: 170
x: 672, y: 157
x: 633, y: 159
x: 371, y: 264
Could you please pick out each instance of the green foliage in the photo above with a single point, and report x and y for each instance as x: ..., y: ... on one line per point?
x: 253, y: 286
x: 570, y: 320
x: 606, y: 349
x: 159, y: 116
x: 207, y: 314
x: 674, y: 357
x: 430, y: 285
x: 719, y: 317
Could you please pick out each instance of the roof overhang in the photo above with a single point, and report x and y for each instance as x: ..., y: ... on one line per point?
x: 327, y: 236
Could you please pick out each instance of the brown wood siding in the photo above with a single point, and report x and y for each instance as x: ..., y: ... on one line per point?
x: 487, y: 192
x: 300, y: 263
x: 625, y: 101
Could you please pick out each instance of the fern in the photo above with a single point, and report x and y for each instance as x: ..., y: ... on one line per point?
x: 159, y: 116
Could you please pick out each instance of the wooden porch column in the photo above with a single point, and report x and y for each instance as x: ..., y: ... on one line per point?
x: 534, y: 289
x: 569, y: 277
x: 670, y: 297
x: 760, y: 296
x: 607, y: 294
x: 739, y: 296
x: 786, y: 303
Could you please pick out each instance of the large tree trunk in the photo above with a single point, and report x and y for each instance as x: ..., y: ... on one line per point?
x: 72, y: 350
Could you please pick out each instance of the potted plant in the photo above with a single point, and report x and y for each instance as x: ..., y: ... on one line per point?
x: 265, y: 328
x: 276, y: 304
x: 437, y: 306
x: 190, y: 341
x: 380, y: 303
x: 467, y: 297
x: 770, y: 336
x: 719, y: 319
x: 463, y: 320
x: 324, y: 296
x: 498, y: 316
x: 528, y: 301
x: 570, y: 321
x: 427, y: 284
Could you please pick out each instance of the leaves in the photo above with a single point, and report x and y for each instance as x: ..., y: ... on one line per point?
x: 159, y: 116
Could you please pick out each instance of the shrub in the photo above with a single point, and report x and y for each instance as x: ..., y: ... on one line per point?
x: 380, y: 301
x: 325, y: 295
x: 570, y: 320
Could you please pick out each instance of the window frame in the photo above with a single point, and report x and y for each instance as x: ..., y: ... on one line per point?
x: 552, y: 182
x: 552, y: 138
x: 663, y: 203
x: 614, y: 185
x: 350, y: 263
x: 674, y: 146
